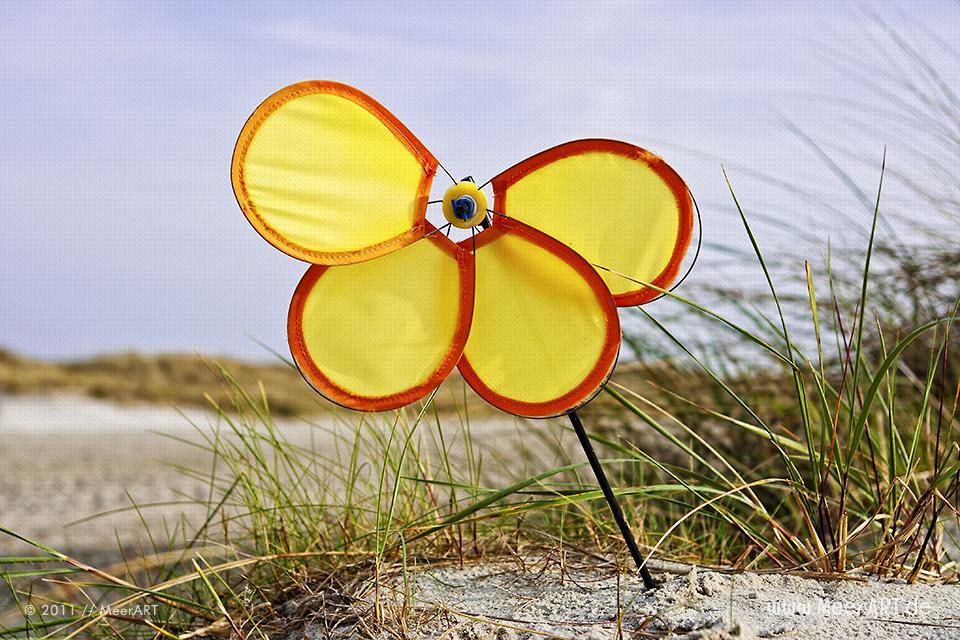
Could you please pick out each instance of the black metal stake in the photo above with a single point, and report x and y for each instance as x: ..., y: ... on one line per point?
x: 611, y: 499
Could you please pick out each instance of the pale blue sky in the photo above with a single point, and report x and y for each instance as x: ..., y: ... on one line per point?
x: 120, y: 230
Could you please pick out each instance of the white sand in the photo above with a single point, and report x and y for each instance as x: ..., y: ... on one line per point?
x: 503, y: 603
x: 66, y: 457
x: 73, y: 413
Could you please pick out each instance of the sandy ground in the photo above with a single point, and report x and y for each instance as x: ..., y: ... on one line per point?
x: 67, y: 458
x: 64, y: 458
x: 500, y: 602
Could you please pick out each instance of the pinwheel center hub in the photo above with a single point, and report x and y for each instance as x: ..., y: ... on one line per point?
x: 464, y: 205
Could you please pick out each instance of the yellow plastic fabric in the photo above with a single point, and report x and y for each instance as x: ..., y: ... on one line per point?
x: 325, y: 177
x: 386, y: 328
x: 538, y: 329
x: 614, y: 210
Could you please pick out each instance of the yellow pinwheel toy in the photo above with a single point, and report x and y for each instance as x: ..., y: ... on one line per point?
x: 525, y: 307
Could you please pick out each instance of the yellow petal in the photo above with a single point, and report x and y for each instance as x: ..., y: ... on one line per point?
x: 328, y: 175
x: 380, y: 334
x: 617, y: 205
x: 545, y: 333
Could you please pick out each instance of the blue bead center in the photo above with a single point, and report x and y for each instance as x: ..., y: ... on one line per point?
x: 464, y: 207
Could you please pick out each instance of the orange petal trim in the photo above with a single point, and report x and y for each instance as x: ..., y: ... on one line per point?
x: 502, y: 183
x: 278, y: 99
x: 344, y: 397
x: 591, y: 385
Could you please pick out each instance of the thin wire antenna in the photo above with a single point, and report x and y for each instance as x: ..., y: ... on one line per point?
x: 696, y: 254
x: 444, y: 229
x: 485, y: 183
x: 484, y: 224
x: 497, y: 213
x: 434, y: 201
x: 449, y: 175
